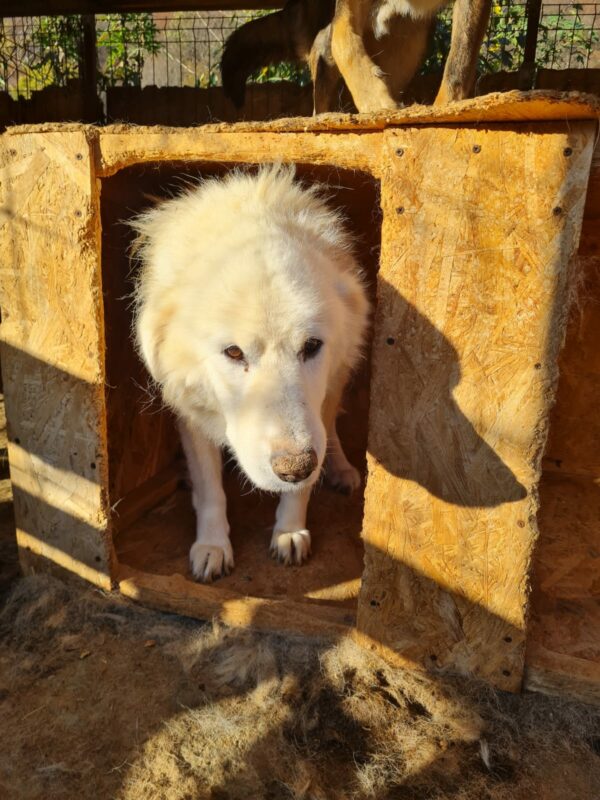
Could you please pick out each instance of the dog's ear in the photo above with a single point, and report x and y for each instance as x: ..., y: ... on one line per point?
x: 151, y: 329
x: 352, y: 293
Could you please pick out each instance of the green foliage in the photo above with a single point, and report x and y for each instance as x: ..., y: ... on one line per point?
x: 55, y: 55
x: 563, y: 39
x: 295, y: 73
x: 50, y: 55
x: 127, y: 39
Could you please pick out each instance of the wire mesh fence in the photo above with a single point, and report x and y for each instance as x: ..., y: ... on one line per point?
x: 36, y: 52
x: 184, y: 49
x: 179, y: 49
x: 569, y: 35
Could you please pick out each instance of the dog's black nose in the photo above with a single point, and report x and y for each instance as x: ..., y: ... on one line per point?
x: 294, y: 467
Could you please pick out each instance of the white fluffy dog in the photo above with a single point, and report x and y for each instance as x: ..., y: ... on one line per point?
x: 251, y: 313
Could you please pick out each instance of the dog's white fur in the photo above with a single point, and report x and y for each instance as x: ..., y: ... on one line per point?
x: 262, y: 263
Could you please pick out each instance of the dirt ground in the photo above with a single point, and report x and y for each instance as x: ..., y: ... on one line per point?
x: 102, y: 699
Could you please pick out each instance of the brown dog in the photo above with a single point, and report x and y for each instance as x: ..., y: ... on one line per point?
x: 376, y: 46
x: 286, y: 35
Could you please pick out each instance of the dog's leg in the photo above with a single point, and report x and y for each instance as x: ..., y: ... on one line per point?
x: 363, y: 77
x: 469, y: 24
x: 291, y: 540
x: 211, y: 554
x: 326, y: 77
x: 339, y: 472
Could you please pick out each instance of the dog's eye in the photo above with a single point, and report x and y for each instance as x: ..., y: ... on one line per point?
x: 234, y: 352
x: 311, y: 348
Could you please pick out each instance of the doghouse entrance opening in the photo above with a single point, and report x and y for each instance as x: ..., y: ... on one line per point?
x: 153, y: 520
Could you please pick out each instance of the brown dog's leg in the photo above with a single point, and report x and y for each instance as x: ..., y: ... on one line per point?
x: 469, y: 24
x: 326, y: 77
x: 363, y: 77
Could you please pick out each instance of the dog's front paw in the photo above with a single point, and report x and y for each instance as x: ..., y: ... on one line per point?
x: 210, y: 561
x: 342, y: 476
x: 291, y: 548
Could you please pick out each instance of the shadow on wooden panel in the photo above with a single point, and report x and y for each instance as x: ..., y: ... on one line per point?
x: 65, y: 539
x: 440, y: 450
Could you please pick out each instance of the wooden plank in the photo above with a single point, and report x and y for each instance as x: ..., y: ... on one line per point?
x: 568, y: 80
x: 177, y: 594
x: 479, y: 227
x: 566, y: 676
x: 122, y: 145
x: 186, y: 105
x: 34, y: 8
x: 563, y: 644
x: 121, y: 148
x: 53, y: 351
x: 569, y: 452
x: 563, y: 647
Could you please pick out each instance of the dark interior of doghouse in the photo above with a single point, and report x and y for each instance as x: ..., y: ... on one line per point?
x: 153, y: 517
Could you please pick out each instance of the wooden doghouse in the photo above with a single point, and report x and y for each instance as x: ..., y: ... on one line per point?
x: 470, y: 217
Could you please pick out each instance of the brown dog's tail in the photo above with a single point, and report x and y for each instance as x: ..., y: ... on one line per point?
x: 256, y: 44
x: 286, y: 35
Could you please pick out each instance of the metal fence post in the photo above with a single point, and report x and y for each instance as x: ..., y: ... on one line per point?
x: 88, y: 69
x: 528, y: 68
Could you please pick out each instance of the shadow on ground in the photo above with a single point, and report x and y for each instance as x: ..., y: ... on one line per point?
x: 102, y: 699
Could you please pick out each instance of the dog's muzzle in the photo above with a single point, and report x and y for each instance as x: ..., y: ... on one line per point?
x: 294, y: 467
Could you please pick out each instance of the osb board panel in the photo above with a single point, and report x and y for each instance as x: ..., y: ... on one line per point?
x: 52, y: 350
x: 479, y: 227
x: 567, y: 80
x: 120, y: 147
x: 159, y: 544
x: 574, y: 442
x: 175, y: 593
x: 563, y: 647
